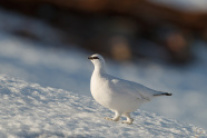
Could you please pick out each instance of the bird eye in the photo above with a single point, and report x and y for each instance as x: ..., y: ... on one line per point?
x: 93, y: 58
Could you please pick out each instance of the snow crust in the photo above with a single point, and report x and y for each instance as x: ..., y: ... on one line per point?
x: 30, y: 110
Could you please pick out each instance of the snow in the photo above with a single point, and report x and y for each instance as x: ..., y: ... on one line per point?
x: 28, y: 60
x: 30, y: 110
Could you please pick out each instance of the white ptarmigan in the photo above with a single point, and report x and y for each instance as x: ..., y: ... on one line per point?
x: 120, y: 96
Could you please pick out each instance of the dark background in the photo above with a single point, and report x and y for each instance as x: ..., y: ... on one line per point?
x: 122, y: 29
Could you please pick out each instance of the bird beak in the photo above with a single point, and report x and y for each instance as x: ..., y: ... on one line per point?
x: 90, y: 58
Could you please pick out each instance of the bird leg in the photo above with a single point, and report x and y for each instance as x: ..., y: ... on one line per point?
x: 115, y: 118
x: 129, y: 120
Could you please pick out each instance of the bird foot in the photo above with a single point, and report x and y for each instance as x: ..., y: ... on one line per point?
x: 111, y: 119
x: 128, y: 122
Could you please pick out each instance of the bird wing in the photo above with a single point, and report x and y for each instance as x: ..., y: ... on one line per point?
x: 134, y: 89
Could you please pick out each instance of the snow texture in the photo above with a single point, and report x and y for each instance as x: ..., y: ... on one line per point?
x: 30, y: 110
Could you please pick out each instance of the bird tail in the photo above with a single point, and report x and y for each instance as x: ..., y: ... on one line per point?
x: 163, y: 94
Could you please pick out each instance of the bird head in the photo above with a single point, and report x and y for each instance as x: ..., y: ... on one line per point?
x: 97, y: 60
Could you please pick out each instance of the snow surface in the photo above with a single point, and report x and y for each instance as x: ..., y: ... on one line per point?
x: 30, y: 110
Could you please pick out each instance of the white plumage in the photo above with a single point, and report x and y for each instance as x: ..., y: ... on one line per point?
x: 120, y: 96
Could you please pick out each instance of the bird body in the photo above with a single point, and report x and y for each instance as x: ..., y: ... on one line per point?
x: 119, y: 95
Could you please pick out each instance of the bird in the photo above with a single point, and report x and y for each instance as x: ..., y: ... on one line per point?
x: 120, y: 96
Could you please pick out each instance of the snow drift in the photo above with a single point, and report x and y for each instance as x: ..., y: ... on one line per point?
x: 30, y: 110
